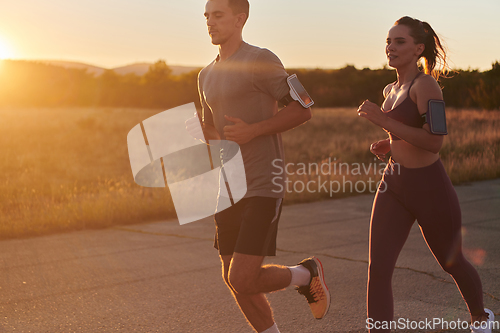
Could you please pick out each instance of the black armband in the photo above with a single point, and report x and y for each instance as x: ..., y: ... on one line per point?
x: 286, y: 100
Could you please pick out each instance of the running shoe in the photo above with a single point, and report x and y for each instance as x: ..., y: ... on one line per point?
x: 485, y: 326
x: 316, y: 292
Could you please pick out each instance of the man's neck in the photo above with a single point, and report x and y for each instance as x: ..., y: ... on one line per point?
x: 229, y: 48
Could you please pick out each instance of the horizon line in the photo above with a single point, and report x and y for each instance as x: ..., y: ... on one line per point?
x: 202, y: 66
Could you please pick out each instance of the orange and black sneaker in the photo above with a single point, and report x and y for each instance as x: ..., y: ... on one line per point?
x: 316, y: 292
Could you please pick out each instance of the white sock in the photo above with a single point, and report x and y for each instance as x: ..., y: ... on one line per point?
x: 272, y: 329
x: 300, y: 276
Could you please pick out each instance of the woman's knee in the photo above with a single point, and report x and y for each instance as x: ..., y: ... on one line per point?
x: 451, y: 265
x: 379, y: 273
x: 451, y: 258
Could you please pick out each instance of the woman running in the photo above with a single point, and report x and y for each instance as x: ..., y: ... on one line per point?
x: 415, y: 184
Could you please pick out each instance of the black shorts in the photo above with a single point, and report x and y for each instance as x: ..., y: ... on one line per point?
x: 248, y: 227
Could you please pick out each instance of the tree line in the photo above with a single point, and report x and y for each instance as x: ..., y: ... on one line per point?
x: 34, y: 84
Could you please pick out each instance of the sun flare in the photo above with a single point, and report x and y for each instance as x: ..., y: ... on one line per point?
x: 5, y: 51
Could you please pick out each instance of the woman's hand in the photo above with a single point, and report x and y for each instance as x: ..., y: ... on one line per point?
x: 373, y: 113
x: 381, y: 148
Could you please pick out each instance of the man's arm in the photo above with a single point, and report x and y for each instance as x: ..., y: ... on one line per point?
x: 200, y: 131
x: 210, y: 132
x: 289, y: 117
x: 201, y: 126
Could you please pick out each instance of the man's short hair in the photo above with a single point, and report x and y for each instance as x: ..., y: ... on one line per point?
x: 239, y: 6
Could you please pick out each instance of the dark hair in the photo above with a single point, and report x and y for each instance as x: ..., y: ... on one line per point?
x: 240, y: 6
x: 434, y: 52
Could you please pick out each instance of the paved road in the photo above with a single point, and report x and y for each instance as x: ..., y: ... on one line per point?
x: 162, y: 277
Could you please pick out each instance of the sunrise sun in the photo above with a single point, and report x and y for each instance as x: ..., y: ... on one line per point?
x: 5, y: 51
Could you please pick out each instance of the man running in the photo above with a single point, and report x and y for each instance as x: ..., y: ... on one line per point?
x: 239, y: 93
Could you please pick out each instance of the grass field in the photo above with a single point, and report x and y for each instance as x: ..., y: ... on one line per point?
x: 68, y: 169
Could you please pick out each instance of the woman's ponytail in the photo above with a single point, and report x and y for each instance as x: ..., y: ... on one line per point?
x: 434, y: 52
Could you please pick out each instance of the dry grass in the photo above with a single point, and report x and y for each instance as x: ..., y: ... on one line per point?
x: 472, y: 149
x: 470, y: 152
x: 68, y: 169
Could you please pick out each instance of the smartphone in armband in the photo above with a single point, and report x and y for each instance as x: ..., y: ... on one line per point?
x: 297, y: 93
x: 436, y: 117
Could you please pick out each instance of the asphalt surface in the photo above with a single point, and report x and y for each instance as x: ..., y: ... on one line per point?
x: 163, y: 277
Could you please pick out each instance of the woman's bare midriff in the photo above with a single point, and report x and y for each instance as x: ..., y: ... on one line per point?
x: 410, y: 156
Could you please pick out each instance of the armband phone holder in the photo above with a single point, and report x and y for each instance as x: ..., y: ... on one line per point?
x: 436, y: 117
x: 297, y: 93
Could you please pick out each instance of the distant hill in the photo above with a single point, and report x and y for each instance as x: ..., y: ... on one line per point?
x: 137, y: 68
x: 141, y: 68
x: 71, y: 64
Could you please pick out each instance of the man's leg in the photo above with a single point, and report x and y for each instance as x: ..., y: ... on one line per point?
x: 248, y: 276
x: 246, y: 233
x: 248, y: 281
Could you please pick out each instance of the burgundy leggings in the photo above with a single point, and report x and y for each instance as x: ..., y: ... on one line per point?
x: 426, y: 195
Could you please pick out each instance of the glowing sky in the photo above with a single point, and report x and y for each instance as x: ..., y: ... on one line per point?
x: 312, y: 33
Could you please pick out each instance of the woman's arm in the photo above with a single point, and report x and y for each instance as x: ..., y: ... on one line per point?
x: 381, y: 148
x: 425, y: 88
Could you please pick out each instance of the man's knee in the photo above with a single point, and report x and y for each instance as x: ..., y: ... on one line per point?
x: 244, y: 273
x: 225, y: 276
x: 226, y: 262
x: 241, y: 283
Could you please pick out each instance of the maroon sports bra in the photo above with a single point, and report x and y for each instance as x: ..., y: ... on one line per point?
x: 406, y: 113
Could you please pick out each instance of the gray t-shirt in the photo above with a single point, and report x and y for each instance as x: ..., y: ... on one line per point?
x: 248, y: 85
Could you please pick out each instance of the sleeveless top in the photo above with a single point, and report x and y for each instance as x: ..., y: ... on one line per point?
x: 406, y: 113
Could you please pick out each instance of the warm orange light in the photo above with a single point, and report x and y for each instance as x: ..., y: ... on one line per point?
x: 5, y: 51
